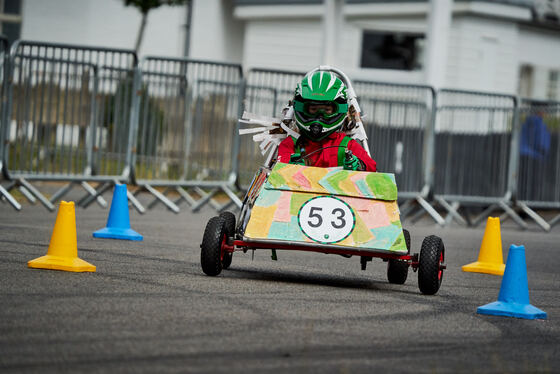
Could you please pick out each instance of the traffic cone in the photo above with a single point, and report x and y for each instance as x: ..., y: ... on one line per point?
x: 513, y: 300
x: 63, y: 248
x: 118, y: 223
x: 490, y: 259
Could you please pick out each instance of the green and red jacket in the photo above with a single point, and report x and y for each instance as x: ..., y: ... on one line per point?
x: 328, y: 157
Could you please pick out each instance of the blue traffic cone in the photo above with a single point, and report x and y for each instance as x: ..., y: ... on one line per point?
x: 513, y: 300
x: 118, y: 224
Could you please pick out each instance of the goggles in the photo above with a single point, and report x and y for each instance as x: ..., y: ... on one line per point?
x: 311, y: 110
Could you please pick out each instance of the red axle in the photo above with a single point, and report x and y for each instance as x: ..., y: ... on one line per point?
x: 240, y: 245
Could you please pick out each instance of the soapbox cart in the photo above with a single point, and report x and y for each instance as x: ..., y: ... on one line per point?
x: 325, y: 210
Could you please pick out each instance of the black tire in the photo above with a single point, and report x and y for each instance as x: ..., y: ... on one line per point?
x: 229, y: 221
x: 226, y: 262
x: 397, y: 270
x: 430, y: 274
x: 407, y: 239
x: 211, y: 247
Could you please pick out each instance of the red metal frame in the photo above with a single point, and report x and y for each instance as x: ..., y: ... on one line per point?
x: 223, y: 248
x: 240, y: 245
x: 441, y: 266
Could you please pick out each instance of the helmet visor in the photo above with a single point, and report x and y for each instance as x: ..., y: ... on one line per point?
x: 327, y: 111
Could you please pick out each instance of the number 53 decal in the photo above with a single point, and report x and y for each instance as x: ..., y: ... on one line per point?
x: 326, y: 219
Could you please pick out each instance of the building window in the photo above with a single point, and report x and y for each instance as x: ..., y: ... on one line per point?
x: 388, y: 50
x: 525, y: 87
x: 10, y: 19
x: 553, y: 81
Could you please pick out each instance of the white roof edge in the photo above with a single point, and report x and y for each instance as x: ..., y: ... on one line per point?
x: 253, y: 12
x: 495, y: 10
x: 250, y: 12
x: 387, y: 9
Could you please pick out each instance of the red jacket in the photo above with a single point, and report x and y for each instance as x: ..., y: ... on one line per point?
x: 327, y: 157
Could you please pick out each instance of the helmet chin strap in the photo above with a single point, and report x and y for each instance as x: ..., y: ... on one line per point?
x: 316, y: 129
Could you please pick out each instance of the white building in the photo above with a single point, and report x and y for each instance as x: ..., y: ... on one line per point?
x: 508, y: 46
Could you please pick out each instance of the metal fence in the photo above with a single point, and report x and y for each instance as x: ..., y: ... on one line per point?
x: 538, y: 178
x: 474, y: 134
x: 187, y: 128
x: 65, y: 105
x: 399, y: 122
x: 4, y: 74
x: 4, y: 56
x: 84, y: 115
x: 267, y: 93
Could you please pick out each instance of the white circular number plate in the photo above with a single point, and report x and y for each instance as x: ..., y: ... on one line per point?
x: 326, y: 219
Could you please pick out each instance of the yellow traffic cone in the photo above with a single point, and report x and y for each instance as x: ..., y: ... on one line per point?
x: 490, y: 258
x: 63, y: 248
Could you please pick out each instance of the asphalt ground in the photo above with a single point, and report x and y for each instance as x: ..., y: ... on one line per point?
x: 149, y: 308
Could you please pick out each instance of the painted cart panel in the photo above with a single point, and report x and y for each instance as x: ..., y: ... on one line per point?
x: 288, y: 177
x: 370, y: 196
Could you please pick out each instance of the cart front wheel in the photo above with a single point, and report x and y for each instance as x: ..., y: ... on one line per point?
x: 430, y: 269
x: 229, y: 221
x: 212, y: 247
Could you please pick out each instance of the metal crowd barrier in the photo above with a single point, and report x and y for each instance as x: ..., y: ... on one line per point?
x: 114, y: 129
x: 63, y: 118
x: 4, y: 75
x: 538, y: 178
x: 82, y: 115
x: 474, y: 165
x: 399, y: 124
x: 267, y: 93
x: 187, y: 112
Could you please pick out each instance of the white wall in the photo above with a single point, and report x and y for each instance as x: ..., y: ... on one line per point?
x: 215, y: 33
x: 482, y: 55
x: 539, y: 48
x: 283, y: 44
x: 106, y: 23
x: 295, y: 44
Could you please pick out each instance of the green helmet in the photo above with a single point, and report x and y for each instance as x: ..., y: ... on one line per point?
x: 320, y: 104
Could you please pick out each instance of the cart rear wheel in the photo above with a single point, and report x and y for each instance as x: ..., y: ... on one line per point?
x: 397, y: 270
x: 430, y: 271
x: 229, y: 221
x: 212, y: 247
x: 407, y: 240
